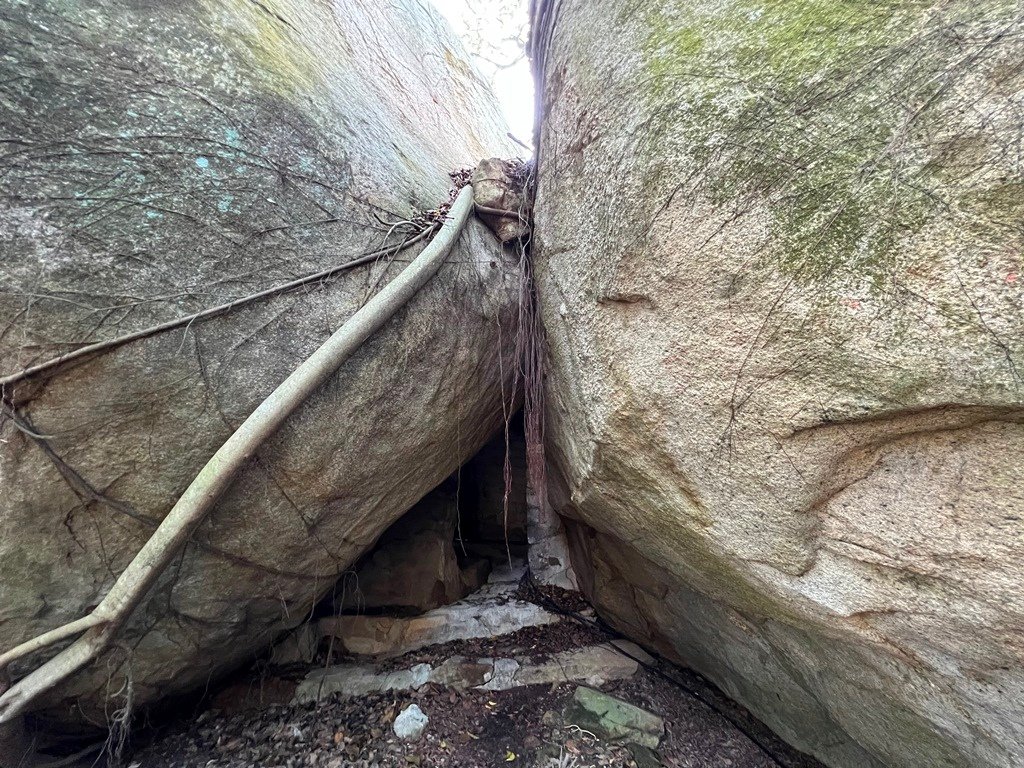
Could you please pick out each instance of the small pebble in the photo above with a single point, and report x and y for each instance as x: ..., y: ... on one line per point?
x: 410, y: 723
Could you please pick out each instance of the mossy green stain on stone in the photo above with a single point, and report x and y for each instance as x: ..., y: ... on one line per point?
x: 823, y: 109
x: 614, y: 719
x: 262, y: 32
x: 1005, y: 199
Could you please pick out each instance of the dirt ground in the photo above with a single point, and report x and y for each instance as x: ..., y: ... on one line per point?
x: 467, y: 729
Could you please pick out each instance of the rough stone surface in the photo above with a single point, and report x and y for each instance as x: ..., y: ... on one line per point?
x: 410, y: 723
x: 297, y: 647
x: 594, y: 665
x: 550, y: 561
x: 496, y: 188
x: 612, y: 718
x: 488, y: 613
x: 162, y: 158
x: 779, y: 259
x: 16, y: 747
x: 413, y: 566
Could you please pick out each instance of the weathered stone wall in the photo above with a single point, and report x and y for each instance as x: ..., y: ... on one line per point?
x: 159, y: 158
x: 779, y: 254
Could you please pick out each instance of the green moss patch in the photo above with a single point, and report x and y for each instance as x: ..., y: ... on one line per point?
x: 830, y: 110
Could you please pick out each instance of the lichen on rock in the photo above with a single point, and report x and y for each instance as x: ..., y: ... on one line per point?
x: 847, y: 120
x: 165, y: 158
x: 781, y: 289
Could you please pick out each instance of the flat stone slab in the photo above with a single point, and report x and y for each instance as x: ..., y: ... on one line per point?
x: 613, y: 719
x: 635, y: 651
x: 595, y: 664
x: 390, y: 636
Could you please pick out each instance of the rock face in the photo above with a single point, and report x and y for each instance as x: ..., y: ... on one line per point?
x: 593, y: 664
x: 162, y: 158
x: 498, y: 193
x: 414, y: 566
x: 480, y: 615
x: 779, y: 254
x: 614, y: 719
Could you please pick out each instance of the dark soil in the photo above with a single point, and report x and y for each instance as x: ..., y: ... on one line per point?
x: 468, y: 729
x: 473, y: 729
x: 703, y: 726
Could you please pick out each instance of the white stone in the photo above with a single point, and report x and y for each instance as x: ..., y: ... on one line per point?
x: 502, y: 676
x: 593, y: 665
x: 410, y: 723
x: 390, y: 636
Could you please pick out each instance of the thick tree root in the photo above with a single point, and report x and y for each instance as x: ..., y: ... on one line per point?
x: 49, y: 638
x: 102, y: 625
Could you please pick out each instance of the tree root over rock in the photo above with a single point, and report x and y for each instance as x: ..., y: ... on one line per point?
x: 83, y: 353
x: 100, y: 627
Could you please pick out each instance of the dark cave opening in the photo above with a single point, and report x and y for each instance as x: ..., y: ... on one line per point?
x: 440, y: 550
x: 446, y: 545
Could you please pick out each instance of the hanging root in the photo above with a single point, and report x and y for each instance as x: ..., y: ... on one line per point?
x: 120, y: 723
x: 530, y: 341
x: 100, y: 627
x: 511, y: 183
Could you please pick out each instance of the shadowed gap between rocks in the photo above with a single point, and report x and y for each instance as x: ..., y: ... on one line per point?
x: 445, y: 547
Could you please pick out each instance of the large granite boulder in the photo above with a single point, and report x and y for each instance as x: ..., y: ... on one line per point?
x: 164, y: 157
x: 414, y: 567
x: 779, y: 255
